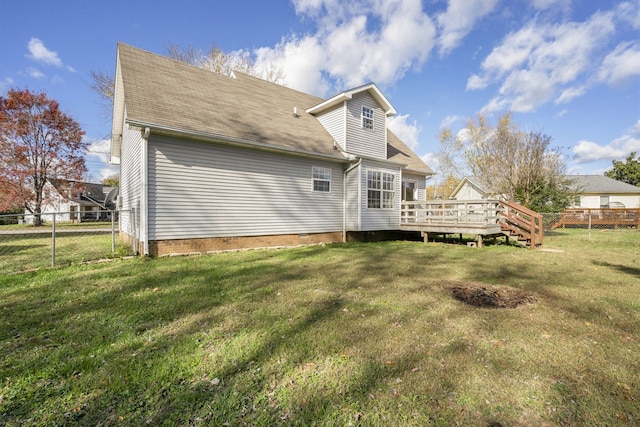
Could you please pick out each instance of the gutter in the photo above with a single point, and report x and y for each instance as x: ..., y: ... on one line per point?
x: 144, y: 208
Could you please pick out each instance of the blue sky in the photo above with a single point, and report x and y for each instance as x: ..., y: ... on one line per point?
x: 567, y: 68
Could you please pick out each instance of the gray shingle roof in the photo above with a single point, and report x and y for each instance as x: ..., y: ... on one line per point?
x: 600, y: 184
x: 171, y: 94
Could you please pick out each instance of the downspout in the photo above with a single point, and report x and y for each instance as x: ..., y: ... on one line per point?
x: 144, y: 222
x: 344, y: 199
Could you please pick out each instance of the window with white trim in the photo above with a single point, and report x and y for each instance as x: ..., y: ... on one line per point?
x: 321, y: 179
x: 380, y: 190
x: 367, y: 118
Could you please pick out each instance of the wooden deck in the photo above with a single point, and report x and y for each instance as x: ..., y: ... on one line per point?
x: 482, y: 218
x: 609, y: 218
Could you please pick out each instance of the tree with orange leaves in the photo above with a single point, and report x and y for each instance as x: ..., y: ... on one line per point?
x: 37, y: 141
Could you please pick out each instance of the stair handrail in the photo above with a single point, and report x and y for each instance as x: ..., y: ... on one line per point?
x: 535, y: 232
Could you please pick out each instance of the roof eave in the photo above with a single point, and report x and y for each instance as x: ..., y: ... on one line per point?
x: 117, y: 123
x: 232, y: 141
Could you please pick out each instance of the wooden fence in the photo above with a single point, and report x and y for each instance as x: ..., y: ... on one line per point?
x: 604, y: 218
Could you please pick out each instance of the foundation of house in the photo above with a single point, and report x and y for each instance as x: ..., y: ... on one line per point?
x: 219, y: 244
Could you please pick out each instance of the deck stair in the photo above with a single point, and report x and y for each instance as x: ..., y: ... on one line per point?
x: 522, y: 224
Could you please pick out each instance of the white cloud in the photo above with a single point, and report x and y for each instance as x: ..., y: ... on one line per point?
x: 549, y: 4
x: 618, y: 149
x: 98, y: 153
x: 448, y: 121
x: 407, y: 132
x: 570, y: 93
x: 621, y: 64
x: 100, y: 149
x: 459, y: 19
x: 35, y: 73
x: 353, y: 43
x: 432, y: 160
x: 541, y: 62
x: 629, y: 12
x: 5, y: 84
x: 302, y: 61
x: 39, y: 52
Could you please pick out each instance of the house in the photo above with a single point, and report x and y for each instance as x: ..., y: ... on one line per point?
x: 212, y: 162
x: 601, y: 192
x: 472, y: 188
x: 73, y: 201
x: 591, y: 191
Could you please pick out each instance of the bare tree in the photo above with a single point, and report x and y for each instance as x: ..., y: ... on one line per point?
x: 513, y: 163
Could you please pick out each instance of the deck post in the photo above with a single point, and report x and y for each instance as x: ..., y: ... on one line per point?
x: 479, y: 240
x: 425, y: 236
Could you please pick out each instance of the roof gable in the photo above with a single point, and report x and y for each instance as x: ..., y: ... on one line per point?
x: 338, y: 99
x: 476, y: 182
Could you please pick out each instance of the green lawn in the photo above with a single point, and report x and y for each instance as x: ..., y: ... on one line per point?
x: 75, y: 243
x: 357, y: 334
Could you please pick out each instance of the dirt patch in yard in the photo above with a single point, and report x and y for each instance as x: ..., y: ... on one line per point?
x: 481, y: 295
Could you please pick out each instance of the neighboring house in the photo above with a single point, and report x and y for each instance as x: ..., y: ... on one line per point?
x: 211, y: 162
x: 599, y: 191
x: 72, y: 201
x: 591, y: 191
x: 472, y: 188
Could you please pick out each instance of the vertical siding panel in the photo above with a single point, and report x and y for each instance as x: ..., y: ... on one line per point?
x: 352, y: 199
x: 199, y: 189
x: 131, y: 180
x: 366, y: 142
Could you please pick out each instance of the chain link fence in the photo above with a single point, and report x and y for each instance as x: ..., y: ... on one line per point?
x: 62, y: 238
x: 618, y: 225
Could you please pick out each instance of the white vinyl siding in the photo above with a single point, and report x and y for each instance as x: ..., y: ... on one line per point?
x: 374, y: 218
x: 199, y: 190
x: 362, y: 141
x: 131, y: 181
x: 593, y: 201
x: 353, y: 205
x: 468, y: 191
x: 333, y: 122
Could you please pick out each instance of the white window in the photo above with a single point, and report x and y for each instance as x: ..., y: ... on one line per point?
x: 604, y: 202
x: 367, y: 118
x: 321, y: 179
x: 380, y: 190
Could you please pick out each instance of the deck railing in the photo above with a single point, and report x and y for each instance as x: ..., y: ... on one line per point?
x: 491, y: 216
x: 522, y: 221
x: 450, y: 212
x: 586, y: 217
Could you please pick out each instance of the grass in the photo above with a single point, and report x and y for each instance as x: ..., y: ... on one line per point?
x: 358, y: 334
x: 75, y: 243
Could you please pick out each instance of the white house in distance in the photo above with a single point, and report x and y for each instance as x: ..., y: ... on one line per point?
x: 591, y: 191
x: 72, y: 201
x: 213, y: 162
x: 602, y: 192
x: 471, y: 188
